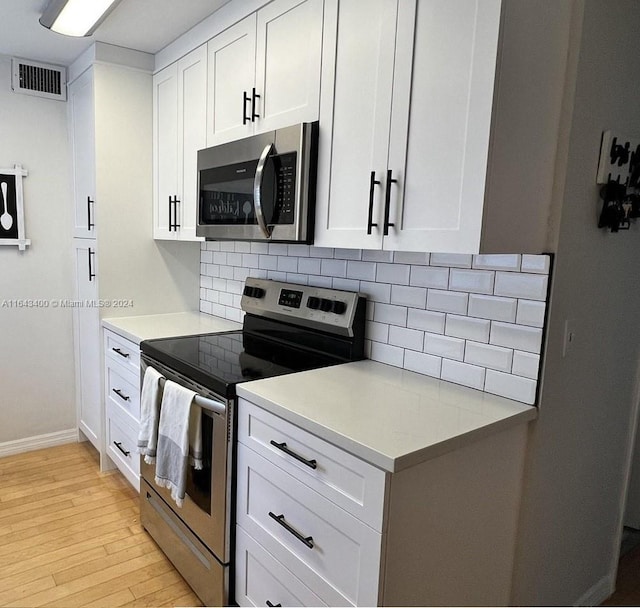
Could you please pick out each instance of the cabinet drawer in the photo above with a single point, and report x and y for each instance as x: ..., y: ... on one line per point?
x: 260, y: 578
x: 329, y: 550
x: 122, y: 440
x: 349, y: 482
x: 123, y: 390
x: 122, y: 350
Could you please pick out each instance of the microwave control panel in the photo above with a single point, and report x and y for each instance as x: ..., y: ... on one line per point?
x: 285, y: 188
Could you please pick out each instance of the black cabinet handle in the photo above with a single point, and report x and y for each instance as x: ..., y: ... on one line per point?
x: 117, y: 350
x: 92, y: 275
x: 119, y: 446
x: 254, y: 96
x: 305, y: 540
x: 372, y: 184
x: 273, y: 605
x: 173, y: 206
x: 170, y: 204
x: 245, y: 99
x: 90, y: 224
x: 387, y: 202
x: 120, y: 394
x: 283, y: 447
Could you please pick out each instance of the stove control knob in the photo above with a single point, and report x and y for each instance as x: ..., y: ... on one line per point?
x: 313, y: 303
x: 326, y: 305
x: 338, y: 307
x: 253, y: 292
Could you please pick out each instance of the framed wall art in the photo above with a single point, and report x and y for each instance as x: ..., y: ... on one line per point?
x: 12, y: 230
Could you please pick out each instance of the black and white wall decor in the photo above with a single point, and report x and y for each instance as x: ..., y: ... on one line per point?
x: 12, y: 207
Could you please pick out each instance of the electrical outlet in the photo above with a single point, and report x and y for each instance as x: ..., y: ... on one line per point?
x: 619, y: 159
x: 569, y: 337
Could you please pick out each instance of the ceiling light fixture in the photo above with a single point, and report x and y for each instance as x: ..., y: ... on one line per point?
x: 76, y: 17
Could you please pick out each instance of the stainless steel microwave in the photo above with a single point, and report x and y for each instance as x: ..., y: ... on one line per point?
x: 261, y: 188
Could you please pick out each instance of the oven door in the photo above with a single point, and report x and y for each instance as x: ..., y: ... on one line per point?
x: 206, y: 510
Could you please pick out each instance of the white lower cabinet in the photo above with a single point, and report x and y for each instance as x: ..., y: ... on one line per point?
x: 316, y: 525
x: 122, y: 404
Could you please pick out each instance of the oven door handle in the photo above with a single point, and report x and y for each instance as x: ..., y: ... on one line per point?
x: 207, y: 404
x: 257, y: 190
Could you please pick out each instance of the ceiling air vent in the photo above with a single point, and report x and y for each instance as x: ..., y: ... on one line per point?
x: 39, y: 79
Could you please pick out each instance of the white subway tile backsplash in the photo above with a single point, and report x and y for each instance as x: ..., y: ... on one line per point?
x: 491, y: 307
x: 377, y: 256
x: 451, y: 260
x: 387, y: 313
x: 444, y: 346
x: 406, y: 338
x: 426, y: 320
x: 469, y: 300
x: 422, y: 363
x: 385, y: 353
x: 463, y: 373
x: 510, y: 386
x: 427, y: 276
x: 364, y: 271
x: 378, y: 332
x: 378, y: 292
x: 517, y: 337
x: 409, y: 257
x: 347, y: 254
x: 531, y: 313
x: 536, y: 263
x: 497, y: 262
x: 471, y: 281
x: 485, y: 355
x: 287, y: 264
x: 397, y: 274
x: 309, y: 265
x: 525, y: 364
x: 447, y: 301
x: 467, y: 328
x: 415, y: 297
x: 521, y: 285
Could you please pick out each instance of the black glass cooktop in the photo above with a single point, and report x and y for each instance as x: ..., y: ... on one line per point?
x: 219, y: 361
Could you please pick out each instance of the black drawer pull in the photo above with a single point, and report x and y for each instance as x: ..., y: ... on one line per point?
x: 273, y: 605
x: 283, y: 446
x: 119, y: 446
x: 117, y: 350
x: 120, y: 394
x: 306, y: 540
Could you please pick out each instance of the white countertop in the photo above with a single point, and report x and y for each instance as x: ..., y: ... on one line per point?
x: 389, y: 417
x: 145, y: 327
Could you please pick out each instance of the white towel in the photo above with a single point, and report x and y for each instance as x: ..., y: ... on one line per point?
x: 178, y: 428
x: 149, y: 401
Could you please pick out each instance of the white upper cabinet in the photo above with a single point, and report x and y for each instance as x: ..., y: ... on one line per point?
x: 264, y: 72
x: 179, y: 130
x: 82, y: 112
x: 407, y: 95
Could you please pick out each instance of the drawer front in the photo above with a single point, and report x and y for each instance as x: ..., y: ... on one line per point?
x: 122, y: 440
x: 349, y: 482
x: 329, y: 550
x: 261, y: 580
x: 122, y: 350
x: 123, y: 390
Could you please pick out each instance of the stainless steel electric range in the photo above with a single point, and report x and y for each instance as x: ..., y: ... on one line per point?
x: 287, y: 328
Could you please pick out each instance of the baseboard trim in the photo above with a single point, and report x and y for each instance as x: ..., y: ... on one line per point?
x: 601, y: 591
x: 38, y: 442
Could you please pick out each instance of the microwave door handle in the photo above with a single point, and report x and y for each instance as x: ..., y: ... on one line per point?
x: 257, y: 190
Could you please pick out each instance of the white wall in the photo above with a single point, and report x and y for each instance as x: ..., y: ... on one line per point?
x: 575, y: 474
x: 36, y: 344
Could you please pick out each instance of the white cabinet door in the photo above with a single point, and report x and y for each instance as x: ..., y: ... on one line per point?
x: 355, y: 110
x: 288, y: 60
x: 231, y: 67
x: 439, y: 143
x: 87, y: 342
x: 82, y: 121
x: 192, y: 125
x: 165, y: 151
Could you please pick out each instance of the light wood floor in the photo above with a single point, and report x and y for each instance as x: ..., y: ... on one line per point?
x: 71, y: 536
